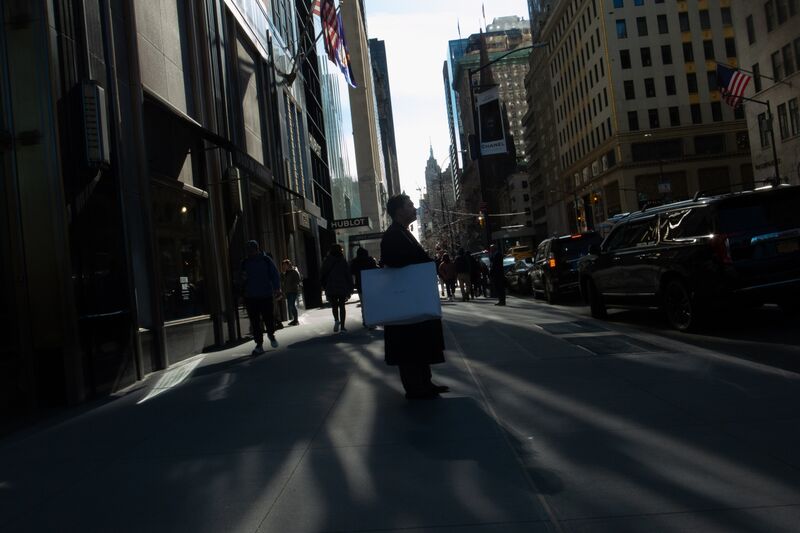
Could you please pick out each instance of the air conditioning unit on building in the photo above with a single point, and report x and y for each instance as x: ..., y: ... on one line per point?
x: 93, y: 113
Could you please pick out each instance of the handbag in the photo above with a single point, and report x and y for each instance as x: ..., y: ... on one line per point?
x: 397, y: 296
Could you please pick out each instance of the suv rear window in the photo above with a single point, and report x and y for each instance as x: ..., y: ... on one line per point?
x: 685, y: 224
x: 575, y: 248
x: 773, y: 211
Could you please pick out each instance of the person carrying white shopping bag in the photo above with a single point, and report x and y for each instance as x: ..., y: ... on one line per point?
x: 411, y: 343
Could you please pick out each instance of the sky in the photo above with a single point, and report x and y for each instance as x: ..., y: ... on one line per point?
x: 416, y: 34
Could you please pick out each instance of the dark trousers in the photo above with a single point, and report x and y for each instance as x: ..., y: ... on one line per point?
x: 291, y: 302
x: 416, y: 377
x: 499, y: 286
x: 261, y: 312
x: 450, y: 284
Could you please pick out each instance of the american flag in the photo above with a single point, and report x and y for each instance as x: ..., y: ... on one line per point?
x: 732, y: 83
x: 330, y: 28
x: 315, y: 8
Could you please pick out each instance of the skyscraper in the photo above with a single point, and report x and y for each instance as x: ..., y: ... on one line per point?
x: 383, y: 96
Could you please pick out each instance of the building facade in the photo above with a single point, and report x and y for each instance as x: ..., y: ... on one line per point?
x: 768, y: 43
x: 638, y: 115
x: 153, y: 141
x: 383, y: 97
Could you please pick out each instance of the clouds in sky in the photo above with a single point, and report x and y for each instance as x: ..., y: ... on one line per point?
x: 416, y: 34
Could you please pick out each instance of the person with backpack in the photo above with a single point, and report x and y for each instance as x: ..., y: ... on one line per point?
x: 363, y: 261
x: 337, y: 281
x: 262, y: 285
x: 463, y: 274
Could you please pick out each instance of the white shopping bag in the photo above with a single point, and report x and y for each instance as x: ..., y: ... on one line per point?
x: 394, y: 296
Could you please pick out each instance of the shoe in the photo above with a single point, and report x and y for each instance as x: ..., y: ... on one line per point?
x: 336, y: 327
x: 258, y: 350
x: 343, y: 329
x: 500, y: 303
x: 440, y: 388
x: 294, y: 323
x: 273, y: 342
x: 422, y: 395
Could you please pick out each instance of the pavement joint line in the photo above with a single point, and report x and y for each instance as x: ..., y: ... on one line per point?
x: 686, y: 512
x: 442, y: 526
x: 305, y: 452
x: 551, y: 514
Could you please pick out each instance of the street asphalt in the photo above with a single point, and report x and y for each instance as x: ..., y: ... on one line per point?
x: 555, y: 422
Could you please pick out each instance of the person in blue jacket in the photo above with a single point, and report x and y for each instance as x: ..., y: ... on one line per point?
x: 262, y: 283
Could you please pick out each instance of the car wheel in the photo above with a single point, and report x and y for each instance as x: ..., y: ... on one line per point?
x: 549, y: 291
x: 596, y: 304
x: 680, y: 306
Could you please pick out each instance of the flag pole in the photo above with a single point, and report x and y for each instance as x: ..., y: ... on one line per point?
x: 753, y: 73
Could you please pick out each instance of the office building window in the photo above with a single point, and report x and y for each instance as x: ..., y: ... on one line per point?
x: 653, y: 116
x: 794, y: 116
x: 663, y: 27
x: 716, y: 111
x: 697, y: 114
x: 711, y: 75
x: 625, y: 59
x: 727, y: 20
x: 788, y: 59
x: 622, y: 29
x: 783, y: 120
x: 763, y: 129
x: 633, y: 121
x: 777, y: 66
x: 649, y: 87
x: 797, y: 51
x: 780, y: 11
x: 688, y: 52
x: 757, y: 77
x: 630, y: 91
x: 730, y: 47
x: 669, y: 83
x: 638, y: 2
x: 619, y: 3
x: 646, y: 59
x: 705, y: 20
x: 641, y: 26
x: 708, y: 50
x: 751, y: 30
x: 769, y: 14
x: 666, y: 55
x: 674, y: 116
x: 691, y: 82
x: 683, y: 21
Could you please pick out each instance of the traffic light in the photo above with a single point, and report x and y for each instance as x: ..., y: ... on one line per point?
x: 481, y: 220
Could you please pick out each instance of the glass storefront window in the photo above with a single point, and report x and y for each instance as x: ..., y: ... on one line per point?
x: 179, y: 229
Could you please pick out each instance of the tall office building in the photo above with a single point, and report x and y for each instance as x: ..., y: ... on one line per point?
x: 768, y: 42
x: 383, y: 96
x: 364, y: 113
x: 638, y: 117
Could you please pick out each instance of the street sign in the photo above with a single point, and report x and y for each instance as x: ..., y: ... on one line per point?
x: 348, y: 223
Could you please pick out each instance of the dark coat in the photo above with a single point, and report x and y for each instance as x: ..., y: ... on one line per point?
x: 358, y: 265
x: 422, y: 342
x: 336, y: 278
x: 496, y: 271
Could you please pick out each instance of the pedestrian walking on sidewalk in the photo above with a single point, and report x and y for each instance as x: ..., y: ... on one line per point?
x: 290, y: 280
x: 411, y: 347
x: 463, y: 273
x: 496, y: 275
x: 363, y: 261
x: 262, y: 284
x: 337, y: 283
x: 447, y: 271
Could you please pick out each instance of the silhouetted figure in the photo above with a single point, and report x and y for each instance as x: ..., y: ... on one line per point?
x: 496, y: 275
x: 338, y: 284
x: 412, y: 347
x: 262, y: 284
x: 447, y: 271
x: 290, y: 280
x: 363, y: 261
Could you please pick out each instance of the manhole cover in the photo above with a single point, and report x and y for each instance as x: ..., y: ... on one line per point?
x: 579, y: 326
x: 613, y: 344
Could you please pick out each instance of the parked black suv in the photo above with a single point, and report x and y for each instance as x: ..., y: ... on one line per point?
x: 555, y: 266
x: 691, y: 256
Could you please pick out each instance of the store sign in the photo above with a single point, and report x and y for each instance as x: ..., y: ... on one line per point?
x: 304, y: 220
x: 367, y: 237
x: 490, y: 117
x: 348, y: 223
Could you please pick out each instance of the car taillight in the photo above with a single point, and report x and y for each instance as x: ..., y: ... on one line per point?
x: 552, y: 262
x: 722, y: 248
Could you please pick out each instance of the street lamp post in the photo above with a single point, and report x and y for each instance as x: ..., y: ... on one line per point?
x: 480, y: 170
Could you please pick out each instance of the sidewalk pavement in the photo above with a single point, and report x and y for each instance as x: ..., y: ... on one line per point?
x: 553, y: 424
x: 313, y: 436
